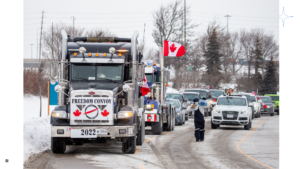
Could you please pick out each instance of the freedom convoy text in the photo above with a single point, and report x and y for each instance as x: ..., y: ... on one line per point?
x: 105, y: 101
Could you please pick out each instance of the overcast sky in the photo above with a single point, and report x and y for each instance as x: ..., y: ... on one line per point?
x: 123, y: 17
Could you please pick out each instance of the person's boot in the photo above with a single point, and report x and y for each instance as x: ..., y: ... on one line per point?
x: 202, y: 135
x: 197, y: 135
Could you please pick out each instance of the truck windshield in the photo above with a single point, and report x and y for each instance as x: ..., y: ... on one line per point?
x: 232, y: 101
x: 149, y: 78
x: 216, y: 93
x: 275, y: 98
x: 190, y: 97
x: 93, y: 71
x: 174, y: 96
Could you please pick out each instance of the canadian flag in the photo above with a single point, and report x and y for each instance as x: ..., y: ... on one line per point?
x: 260, y: 100
x: 173, y: 49
x: 208, y: 87
x: 145, y: 88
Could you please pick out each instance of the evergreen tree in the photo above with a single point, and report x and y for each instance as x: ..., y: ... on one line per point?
x: 270, y: 82
x: 258, y: 60
x: 212, y: 56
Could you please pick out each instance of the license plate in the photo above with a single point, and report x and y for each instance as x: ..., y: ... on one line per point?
x: 229, y: 115
x: 87, y: 133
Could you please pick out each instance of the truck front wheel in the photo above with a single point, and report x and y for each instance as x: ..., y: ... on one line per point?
x: 141, y: 133
x: 58, y: 144
x: 158, y: 126
x: 129, y: 145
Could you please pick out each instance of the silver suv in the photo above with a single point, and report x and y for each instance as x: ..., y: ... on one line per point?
x: 231, y: 110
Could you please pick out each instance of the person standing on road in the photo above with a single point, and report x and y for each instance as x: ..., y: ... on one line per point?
x: 198, y: 120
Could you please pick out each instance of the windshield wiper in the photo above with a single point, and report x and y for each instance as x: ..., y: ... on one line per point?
x: 107, y: 80
x: 81, y: 79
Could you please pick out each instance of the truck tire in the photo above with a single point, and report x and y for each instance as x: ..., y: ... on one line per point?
x: 213, y: 126
x: 209, y: 113
x: 158, y: 126
x: 141, y: 133
x: 129, y: 145
x: 58, y: 144
x: 170, y: 118
x: 173, y: 121
x: 272, y: 114
x: 248, y: 126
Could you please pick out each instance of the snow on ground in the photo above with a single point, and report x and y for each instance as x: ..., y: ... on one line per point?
x: 36, y: 130
x: 171, y: 90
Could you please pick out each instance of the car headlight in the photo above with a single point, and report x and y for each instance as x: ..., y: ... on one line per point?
x: 268, y: 106
x: 125, y: 114
x: 210, y: 101
x: 149, y: 106
x: 178, y: 114
x: 244, y: 112
x: 59, y: 114
x: 216, y: 111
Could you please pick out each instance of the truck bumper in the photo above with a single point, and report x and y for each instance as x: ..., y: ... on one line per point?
x: 112, y: 131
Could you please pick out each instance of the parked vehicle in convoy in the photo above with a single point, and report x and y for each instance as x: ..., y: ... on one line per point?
x: 267, y: 100
x: 231, y: 110
x: 190, y: 96
x: 98, y: 93
x: 158, y: 114
x: 182, y: 100
x: 256, y: 105
x: 180, y: 114
x: 275, y: 99
x: 249, y: 103
x: 204, y: 99
x: 215, y: 93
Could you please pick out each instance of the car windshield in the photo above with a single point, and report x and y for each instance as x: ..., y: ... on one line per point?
x: 92, y: 71
x: 232, y: 101
x: 174, y: 96
x: 248, y: 97
x: 275, y: 98
x: 266, y: 99
x: 253, y: 98
x: 202, y: 93
x: 190, y: 97
x: 216, y: 93
x: 174, y: 103
x: 149, y: 78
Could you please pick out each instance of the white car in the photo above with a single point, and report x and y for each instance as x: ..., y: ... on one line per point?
x: 256, y: 104
x: 232, y: 110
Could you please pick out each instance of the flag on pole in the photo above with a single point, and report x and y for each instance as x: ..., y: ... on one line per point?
x: 173, y: 49
x: 145, y: 88
x: 260, y: 100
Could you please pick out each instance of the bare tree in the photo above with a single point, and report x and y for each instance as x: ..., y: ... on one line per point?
x: 99, y: 32
x: 52, y: 44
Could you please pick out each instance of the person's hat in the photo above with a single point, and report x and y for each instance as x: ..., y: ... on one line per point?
x: 195, y: 100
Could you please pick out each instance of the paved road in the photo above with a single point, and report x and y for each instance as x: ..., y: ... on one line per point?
x: 225, y: 147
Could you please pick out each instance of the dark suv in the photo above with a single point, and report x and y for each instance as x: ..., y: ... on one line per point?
x: 205, y: 98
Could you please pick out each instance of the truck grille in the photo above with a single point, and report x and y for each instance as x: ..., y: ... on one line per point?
x: 91, y: 121
x: 234, y: 113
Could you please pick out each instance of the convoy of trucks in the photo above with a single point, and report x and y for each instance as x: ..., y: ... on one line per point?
x: 99, y: 99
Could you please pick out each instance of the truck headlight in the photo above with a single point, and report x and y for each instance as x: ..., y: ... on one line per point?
x: 216, y: 111
x: 178, y: 114
x: 244, y: 112
x: 125, y: 114
x: 59, y: 114
x: 149, y: 106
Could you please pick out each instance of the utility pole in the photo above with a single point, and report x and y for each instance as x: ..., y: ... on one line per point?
x: 41, y: 35
x: 52, y: 42
x: 73, y: 25
x: 31, y: 50
x: 37, y: 43
x: 185, y: 23
x: 144, y: 38
x: 227, y: 21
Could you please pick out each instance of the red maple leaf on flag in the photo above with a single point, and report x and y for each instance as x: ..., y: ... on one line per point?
x: 77, y: 113
x: 172, y: 48
x: 105, y: 113
x: 265, y: 106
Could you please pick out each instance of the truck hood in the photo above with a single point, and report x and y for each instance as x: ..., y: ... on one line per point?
x: 97, y: 86
x: 231, y: 108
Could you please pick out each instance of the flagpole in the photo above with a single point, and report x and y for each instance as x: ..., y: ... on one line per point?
x: 162, y: 73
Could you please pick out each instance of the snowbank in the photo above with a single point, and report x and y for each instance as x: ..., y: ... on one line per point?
x: 36, y: 130
x: 171, y: 90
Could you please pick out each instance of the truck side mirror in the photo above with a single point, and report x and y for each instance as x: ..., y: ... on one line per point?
x: 126, y: 88
x: 53, y: 72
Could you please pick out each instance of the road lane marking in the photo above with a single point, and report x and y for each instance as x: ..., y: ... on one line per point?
x: 150, y: 139
x: 142, y: 167
x: 184, y: 128
x: 166, y: 133
x: 238, y: 147
x: 137, y: 150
